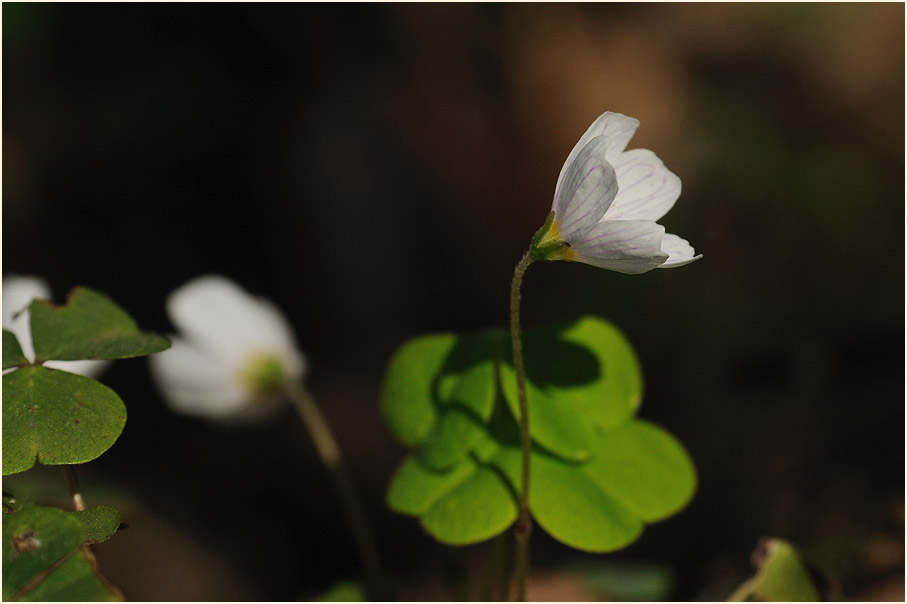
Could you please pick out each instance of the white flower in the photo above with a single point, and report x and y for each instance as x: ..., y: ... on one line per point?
x: 606, y: 203
x: 18, y: 293
x: 233, y: 357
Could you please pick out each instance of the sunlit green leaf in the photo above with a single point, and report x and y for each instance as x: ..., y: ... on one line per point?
x: 408, y: 395
x: 12, y: 351
x: 644, y: 468
x: 570, y: 506
x: 597, y: 475
x: 89, y: 326
x: 578, y: 375
x: 60, y: 417
x: 431, y: 372
x: 415, y: 488
x: 480, y: 507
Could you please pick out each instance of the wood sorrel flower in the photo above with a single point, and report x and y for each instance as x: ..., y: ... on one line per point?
x: 18, y: 293
x: 606, y: 203
x: 234, y: 356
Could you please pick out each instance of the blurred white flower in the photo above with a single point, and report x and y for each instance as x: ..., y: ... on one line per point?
x: 233, y: 357
x: 606, y: 203
x: 18, y: 293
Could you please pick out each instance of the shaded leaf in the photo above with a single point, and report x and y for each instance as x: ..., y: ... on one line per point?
x: 12, y: 351
x: 60, y: 417
x: 34, y: 538
x: 625, y: 582
x: 454, y: 434
x: 73, y: 581
x: 98, y: 523
x: 42, y: 557
x: 89, y: 326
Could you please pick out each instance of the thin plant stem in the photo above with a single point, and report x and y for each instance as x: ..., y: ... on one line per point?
x: 78, y: 504
x: 523, y: 526
x: 72, y: 481
x: 494, y: 568
x: 329, y: 452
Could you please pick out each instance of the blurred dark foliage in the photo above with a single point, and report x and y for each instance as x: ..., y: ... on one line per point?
x: 377, y: 170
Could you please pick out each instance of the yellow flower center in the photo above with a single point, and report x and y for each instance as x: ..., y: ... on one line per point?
x: 264, y: 375
x: 547, y: 243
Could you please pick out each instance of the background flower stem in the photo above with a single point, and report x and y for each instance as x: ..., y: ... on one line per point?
x: 524, y: 521
x: 329, y: 452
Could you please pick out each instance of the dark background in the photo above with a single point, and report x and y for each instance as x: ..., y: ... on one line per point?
x: 377, y: 171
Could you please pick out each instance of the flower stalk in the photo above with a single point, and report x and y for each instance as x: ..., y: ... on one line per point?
x: 78, y: 504
x: 327, y: 449
x: 523, y: 526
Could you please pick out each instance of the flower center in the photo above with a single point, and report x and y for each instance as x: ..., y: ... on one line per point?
x: 264, y: 375
x: 547, y: 243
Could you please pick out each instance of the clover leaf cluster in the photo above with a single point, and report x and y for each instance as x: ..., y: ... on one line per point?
x: 598, y: 473
x: 55, y: 417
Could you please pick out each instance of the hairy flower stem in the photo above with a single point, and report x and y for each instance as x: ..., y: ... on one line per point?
x: 329, y: 452
x: 523, y: 525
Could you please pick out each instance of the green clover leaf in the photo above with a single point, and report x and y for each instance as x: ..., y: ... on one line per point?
x: 597, y: 474
x: 56, y: 417
x: 89, y: 326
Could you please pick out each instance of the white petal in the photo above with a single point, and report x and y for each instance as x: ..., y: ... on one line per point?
x: 617, y: 127
x: 87, y: 368
x: 647, y: 189
x: 625, y: 246
x: 679, y: 250
x: 229, y: 324
x: 584, y: 193
x: 193, y: 383
x: 18, y: 292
